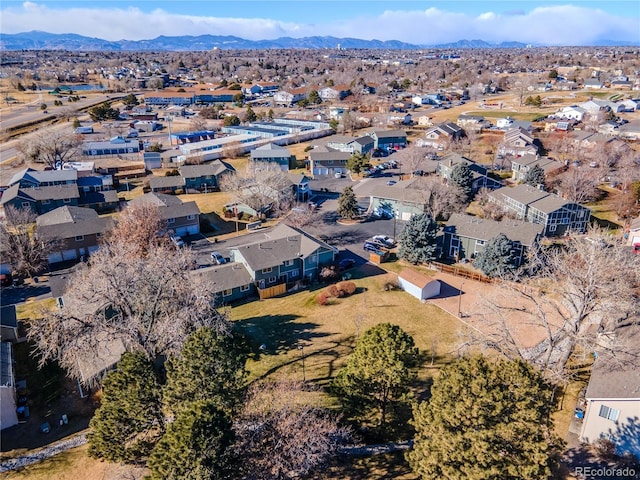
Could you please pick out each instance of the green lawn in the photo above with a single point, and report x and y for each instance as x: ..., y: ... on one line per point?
x: 527, y: 116
x: 328, y: 333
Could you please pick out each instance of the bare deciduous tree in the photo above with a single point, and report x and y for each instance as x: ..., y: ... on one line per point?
x: 281, y: 436
x: 582, y: 294
x: 141, y: 227
x: 151, y: 304
x: 19, y: 244
x: 50, y: 146
x: 579, y: 185
x: 263, y: 184
x: 440, y: 199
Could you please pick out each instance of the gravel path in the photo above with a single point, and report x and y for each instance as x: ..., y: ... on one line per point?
x: 43, y: 454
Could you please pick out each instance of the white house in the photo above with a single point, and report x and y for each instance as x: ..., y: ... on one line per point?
x: 504, y: 122
x: 613, y: 395
x: 572, y: 112
x: 418, y: 285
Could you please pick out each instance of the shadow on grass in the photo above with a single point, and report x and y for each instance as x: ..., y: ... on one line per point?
x: 377, y: 467
x: 274, y: 334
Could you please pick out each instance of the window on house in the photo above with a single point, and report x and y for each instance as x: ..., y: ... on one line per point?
x: 191, y: 217
x: 267, y: 270
x: 294, y: 273
x: 272, y: 279
x: 227, y: 293
x: 79, y: 238
x: 67, y: 200
x: 479, y: 242
x: 288, y: 263
x: 552, y: 228
x: 26, y: 204
x: 244, y: 288
x: 44, y: 202
x: 609, y: 413
x: 171, y: 220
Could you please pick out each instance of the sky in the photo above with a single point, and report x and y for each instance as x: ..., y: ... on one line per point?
x: 548, y: 22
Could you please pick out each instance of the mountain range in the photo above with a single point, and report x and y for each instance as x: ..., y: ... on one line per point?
x: 37, y: 40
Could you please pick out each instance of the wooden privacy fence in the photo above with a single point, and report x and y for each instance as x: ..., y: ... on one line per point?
x: 272, y: 291
x: 461, y: 272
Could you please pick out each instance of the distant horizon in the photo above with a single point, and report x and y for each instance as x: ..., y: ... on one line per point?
x: 538, y: 22
x: 344, y: 43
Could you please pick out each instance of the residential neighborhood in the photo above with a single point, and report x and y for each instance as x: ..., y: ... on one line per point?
x: 243, y: 244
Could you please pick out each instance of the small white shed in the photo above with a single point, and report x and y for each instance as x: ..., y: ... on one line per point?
x: 418, y: 285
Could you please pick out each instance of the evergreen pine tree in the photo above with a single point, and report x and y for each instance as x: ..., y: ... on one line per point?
x: 535, y: 176
x: 462, y: 177
x: 418, y: 239
x: 497, y: 258
x: 129, y: 421
x: 485, y: 421
x: 379, y: 370
x: 195, y: 446
x: 348, y: 204
x: 210, y: 368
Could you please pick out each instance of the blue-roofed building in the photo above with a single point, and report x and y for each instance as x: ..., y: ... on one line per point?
x: 191, y: 137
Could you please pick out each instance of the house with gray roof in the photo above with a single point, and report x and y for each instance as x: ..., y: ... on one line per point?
x: 283, y: 255
x: 44, y: 178
x: 78, y: 232
x: 389, y: 139
x: 405, y: 198
x: 328, y: 161
x: 447, y: 163
x: 40, y: 199
x: 440, y: 135
x: 231, y: 281
x: 613, y: 394
x: 273, y: 154
x: 522, y: 165
x: 204, y: 177
x: 169, y: 184
x: 181, y: 217
x: 518, y: 142
x: 464, y: 236
x: 557, y: 215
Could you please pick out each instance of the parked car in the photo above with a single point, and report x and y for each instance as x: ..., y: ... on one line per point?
x: 385, y: 240
x: 418, y: 173
x: 177, y: 241
x: 217, y: 258
x: 391, y: 182
x: 346, y: 263
x: 372, y: 247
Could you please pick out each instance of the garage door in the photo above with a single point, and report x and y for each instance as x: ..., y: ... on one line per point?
x: 69, y: 254
x: 55, y: 257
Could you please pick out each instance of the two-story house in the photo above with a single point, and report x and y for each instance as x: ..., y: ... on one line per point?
x: 522, y: 165
x: 272, y: 154
x: 40, y: 199
x: 290, y: 97
x: 557, y: 215
x: 283, y: 256
x: 518, y: 142
x: 204, y: 177
x: 337, y: 92
x: 447, y: 163
x: 181, y: 217
x: 464, y: 236
x: 77, y: 232
x: 230, y: 281
x: 327, y: 161
x: 613, y: 395
x: 439, y: 136
x: 389, y: 140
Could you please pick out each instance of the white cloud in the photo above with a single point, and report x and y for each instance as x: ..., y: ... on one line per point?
x: 556, y: 25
